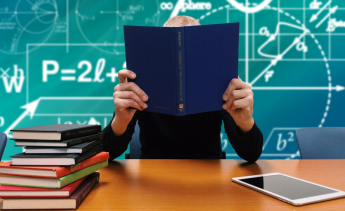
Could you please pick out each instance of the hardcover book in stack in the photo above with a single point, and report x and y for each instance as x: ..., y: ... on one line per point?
x: 57, y: 169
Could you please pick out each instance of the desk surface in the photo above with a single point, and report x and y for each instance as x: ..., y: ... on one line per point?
x: 204, y: 185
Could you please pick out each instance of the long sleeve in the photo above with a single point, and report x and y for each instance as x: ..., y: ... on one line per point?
x: 117, y: 145
x: 247, y: 145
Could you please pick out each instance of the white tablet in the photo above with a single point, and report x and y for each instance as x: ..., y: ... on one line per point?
x: 289, y: 189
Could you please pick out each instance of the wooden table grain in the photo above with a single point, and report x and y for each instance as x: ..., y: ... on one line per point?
x: 204, y: 185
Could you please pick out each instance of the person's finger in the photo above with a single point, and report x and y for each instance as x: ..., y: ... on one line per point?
x: 242, y: 103
x: 131, y: 95
x: 124, y: 74
x: 126, y: 103
x: 240, y: 93
x: 234, y: 84
x: 131, y: 86
x: 235, y: 95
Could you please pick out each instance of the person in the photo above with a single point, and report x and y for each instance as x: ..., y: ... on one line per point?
x: 195, y: 136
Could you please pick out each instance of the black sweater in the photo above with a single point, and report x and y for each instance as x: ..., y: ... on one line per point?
x: 184, y: 137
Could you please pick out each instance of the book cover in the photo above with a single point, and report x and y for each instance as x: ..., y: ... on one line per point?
x: 183, y: 70
x: 72, y: 202
x: 7, y: 191
x: 58, y: 143
x: 6, y: 168
x: 37, y: 182
x: 79, y: 148
x: 82, y: 173
x: 85, y: 188
x: 55, y: 132
x: 54, y: 159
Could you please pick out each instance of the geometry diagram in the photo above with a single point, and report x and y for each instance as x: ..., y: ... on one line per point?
x: 22, y: 20
x: 287, y: 68
x: 113, y: 15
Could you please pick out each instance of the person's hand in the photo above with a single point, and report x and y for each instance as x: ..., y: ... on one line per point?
x: 127, y: 95
x: 239, y: 103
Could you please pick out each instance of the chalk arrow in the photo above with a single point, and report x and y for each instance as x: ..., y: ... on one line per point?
x: 334, y: 9
x: 297, y: 40
x: 30, y: 109
x: 339, y: 88
x: 315, y: 16
x: 272, y: 37
x: 278, y: 58
x: 274, y: 62
x: 331, y: 11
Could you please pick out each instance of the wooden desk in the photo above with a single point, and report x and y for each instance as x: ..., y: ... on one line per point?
x: 204, y: 185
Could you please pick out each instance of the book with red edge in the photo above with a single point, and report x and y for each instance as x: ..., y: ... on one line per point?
x: 6, y: 168
x: 72, y: 202
x: 7, y: 191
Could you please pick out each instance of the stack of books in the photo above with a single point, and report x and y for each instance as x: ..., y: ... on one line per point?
x: 57, y: 169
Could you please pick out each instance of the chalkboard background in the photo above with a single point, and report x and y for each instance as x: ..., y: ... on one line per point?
x: 59, y: 61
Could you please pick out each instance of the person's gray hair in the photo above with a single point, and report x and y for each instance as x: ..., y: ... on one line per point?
x: 178, y: 21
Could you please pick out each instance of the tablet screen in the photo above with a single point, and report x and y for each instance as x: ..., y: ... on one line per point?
x: 287, y: 187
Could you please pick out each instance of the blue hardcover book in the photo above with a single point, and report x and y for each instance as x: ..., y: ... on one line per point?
x: 183, y: 70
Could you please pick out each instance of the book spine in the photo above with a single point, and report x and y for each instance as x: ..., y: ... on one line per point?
x: 180, y: 71
x: 80, y: 132
x: 100, y: 157
x: 39, y: 192
x: 88, y: 154
x: 82, y: 173
x: 90, y: 146
x: 83, y: 140
x: 85, y: 190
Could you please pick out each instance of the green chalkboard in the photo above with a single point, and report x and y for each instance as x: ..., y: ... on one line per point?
x: 59, y: 61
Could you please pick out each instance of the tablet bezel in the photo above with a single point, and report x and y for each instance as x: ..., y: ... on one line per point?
x: 296, y: 202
